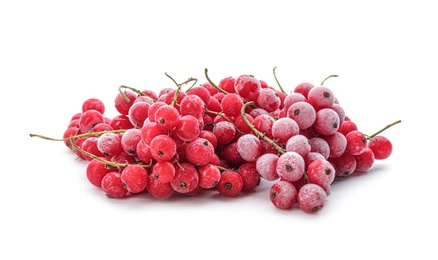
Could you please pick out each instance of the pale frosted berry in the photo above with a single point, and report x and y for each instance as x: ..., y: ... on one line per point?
x: 320, y: 97
x: 266, y: 166
x: 249, y: 147
x: 319, y: 145
x: 326, y: 121
x: 299, y: 144
x: 311, y: 198
x: 290, y: 166
x: 284, y: 128
x: 303, y: 113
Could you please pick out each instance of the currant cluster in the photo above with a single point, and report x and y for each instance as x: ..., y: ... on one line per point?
x: 226, y: 137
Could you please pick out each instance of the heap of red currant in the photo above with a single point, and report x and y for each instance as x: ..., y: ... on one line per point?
x: 226, y: 138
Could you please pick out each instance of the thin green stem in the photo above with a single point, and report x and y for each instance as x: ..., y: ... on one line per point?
x: 330, y: 76
x: 257, y: 132
x: 214, y: 85
x: 278, y: 83
x: 383, y: 129
x: 97, y: 134
x: 178, y: 87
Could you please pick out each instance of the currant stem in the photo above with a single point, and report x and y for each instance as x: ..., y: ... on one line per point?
x: 221, y: 114
x: 330, y: 76
x: 175, y: 96
x: 278, y: 83
x: 257, y: 132
x: 139, y: 92
x: 214, y: 85
x: 97, y: 134
x: 383, y: 129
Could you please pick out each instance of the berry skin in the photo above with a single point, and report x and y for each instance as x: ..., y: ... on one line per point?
x: 109, y: 144
x: 150, y: 130
x: 130, y: 140
x: 290, y: 166
x: 93, y: 104
x: 143, y: 152
x: 230, y: 184
x: 192, y: 105
x: 89, y: 119
x: 381, y: 147
x: 322, y: 173
x: 121, y: 122
x: 113, y: 186
x: 95, y: 172
x: 199, y: 152
x: 263, y: 123
x: 90, y: 145
x: 268, y: 100
x: 163, y: 172
x: 231, y: 104
x: 299, y: 144
x: 303, y: 88
x: 188, y: 128
x: 200, y: 92
x: 356, y: 142
x: 247, y: 87
x: 365, y: 160
x: 224, y: 131
x: 138, y: 113
x: 291, y: 99
x: 186, y: 178
x: 266, y: 166
x: 320, y: 97
x: 337, y: 143
x: 163, y: 148
x: 209, y: 176
x: 250, y: 176
x: 326, y: 121
x: 159, y: 190
x: 135, y: 178
x: 122, y: 105
x: 284, y: 128
x: 227, y: 84
x: 283, y: 194
x: 249, y: 147
x: 311, y: 198
x: 347, y: 127
x: 320, y: 145
x: 167, y: 117
x: 303, y: 113
x: 344, y: 164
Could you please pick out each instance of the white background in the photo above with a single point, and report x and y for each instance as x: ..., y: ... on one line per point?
x: 56, y: 54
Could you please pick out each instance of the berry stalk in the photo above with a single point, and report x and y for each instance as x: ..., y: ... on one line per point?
x: 278, y: 83
x: 257, y: 132
x: 213, y: 84
x: 330, y: 76
x: 383, y: 129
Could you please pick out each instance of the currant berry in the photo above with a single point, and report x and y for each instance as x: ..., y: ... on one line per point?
x: 381, y: 147
x: 283, y: 194
x: 311, y: 198
x: 209, y: 176
x: 230, y: 184
x: 186, y: 178
x: 112, y: 185
x: 163, y: 148
x: 134, y: 178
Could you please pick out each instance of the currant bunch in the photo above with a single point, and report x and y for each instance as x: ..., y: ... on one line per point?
x: 225, y: 138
